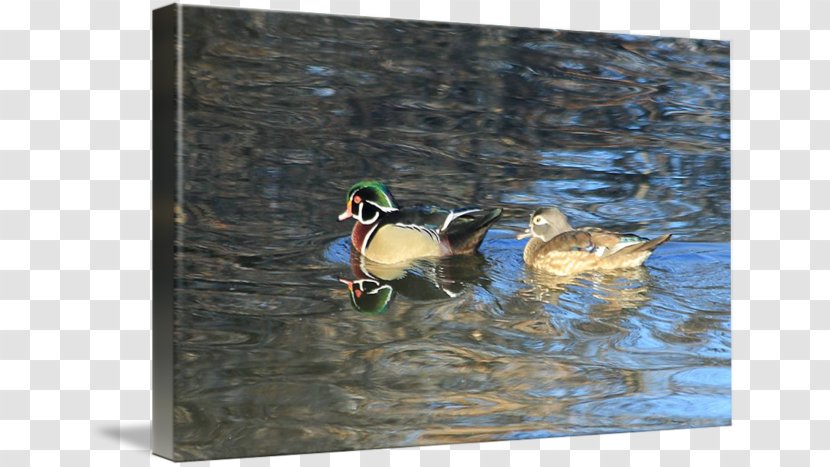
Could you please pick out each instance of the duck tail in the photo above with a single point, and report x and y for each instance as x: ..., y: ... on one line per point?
x: 465, y: 233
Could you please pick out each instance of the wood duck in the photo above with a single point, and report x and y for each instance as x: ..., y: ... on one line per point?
x: 558, y: 248
x: 369, y: 296
x: 375, y: 285
x: 388, y: 234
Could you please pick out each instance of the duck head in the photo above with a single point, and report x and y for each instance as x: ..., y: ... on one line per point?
x: 366, y: 201
x: 546, y: 223
x: 369, y: 296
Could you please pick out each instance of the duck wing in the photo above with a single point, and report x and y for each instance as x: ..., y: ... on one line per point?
x: 608, y: 243
x: 428, y: 217
x: 570, y: 241
x: 461, y: 230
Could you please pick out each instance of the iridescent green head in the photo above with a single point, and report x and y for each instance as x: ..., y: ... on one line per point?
x: 369, y: 296
x: 367, y: 200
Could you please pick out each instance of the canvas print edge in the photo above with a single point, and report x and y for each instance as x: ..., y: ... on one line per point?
x: 165, y: 153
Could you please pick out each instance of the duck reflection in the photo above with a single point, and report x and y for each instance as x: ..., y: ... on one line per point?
x: 376, y: 285
x: 369, y: 295
x: 615, y: 291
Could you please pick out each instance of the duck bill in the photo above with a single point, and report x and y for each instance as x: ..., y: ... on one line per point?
x: 347, y: 214
x: 524, y: 235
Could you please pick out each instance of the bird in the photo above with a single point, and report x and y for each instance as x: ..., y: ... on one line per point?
x: 557, y: 248
x: 375, y: 285
x: 387, y: 233
x: 369, y: 296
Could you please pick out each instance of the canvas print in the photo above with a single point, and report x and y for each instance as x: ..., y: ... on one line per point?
x: 376, y: 233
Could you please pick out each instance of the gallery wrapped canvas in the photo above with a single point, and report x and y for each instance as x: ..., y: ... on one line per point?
x: 375, y: 233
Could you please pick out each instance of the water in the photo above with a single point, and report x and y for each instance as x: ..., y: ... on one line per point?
x: 284, y: 112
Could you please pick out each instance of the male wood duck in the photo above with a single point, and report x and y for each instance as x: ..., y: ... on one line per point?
x: 388, y: 234
x: 375, y: 285
x: 369, y: 296
x: 558, y: 248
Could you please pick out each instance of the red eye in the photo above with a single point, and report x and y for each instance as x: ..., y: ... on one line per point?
x: 357, y: 199
x: 358, y: 293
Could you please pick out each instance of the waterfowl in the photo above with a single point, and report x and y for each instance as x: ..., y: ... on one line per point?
x: 376, y: 285
x: 558, y: 248
x: 369, y: 296
x: 387, y: 233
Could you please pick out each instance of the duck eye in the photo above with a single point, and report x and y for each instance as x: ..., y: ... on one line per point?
x: 537, y: 220
x: 357, y: 199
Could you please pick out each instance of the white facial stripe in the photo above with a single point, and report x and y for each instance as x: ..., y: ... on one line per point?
x: 385, y: 286
x: 382, y: 208
x: 360, y: 218
x: 361, y: 282
x: 373, y: 219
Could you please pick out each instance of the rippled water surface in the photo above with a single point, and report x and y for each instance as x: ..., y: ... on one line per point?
x: 283, y: 112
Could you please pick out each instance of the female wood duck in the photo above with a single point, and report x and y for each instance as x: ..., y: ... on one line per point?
x: 387, y: 234
x: 558, y: 248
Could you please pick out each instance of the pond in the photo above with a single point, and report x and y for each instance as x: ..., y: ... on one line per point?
x: 284, y: 112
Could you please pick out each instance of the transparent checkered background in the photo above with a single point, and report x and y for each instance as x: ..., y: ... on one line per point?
x: 75, y: 200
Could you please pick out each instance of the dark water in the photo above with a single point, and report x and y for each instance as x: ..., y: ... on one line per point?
x: 283, y: 112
